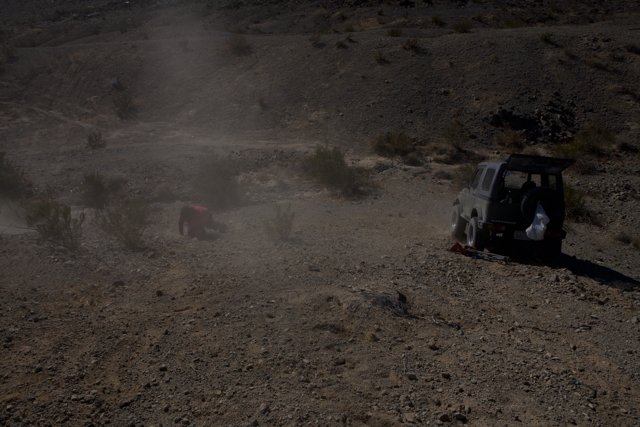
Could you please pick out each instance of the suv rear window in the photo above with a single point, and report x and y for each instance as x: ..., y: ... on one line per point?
x: 488, y: 179
x: 476, y: 177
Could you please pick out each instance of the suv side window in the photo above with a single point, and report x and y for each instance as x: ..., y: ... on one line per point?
x: 476, y: 178
x: 488, y: 179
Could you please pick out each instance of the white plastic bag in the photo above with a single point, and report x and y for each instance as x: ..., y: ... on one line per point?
x: 539, y: 225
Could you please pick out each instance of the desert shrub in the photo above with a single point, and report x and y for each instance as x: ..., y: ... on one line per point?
x: 394, y: 32
x: 97, y: 190
x: 576, y: 206
x: 341, y: 45
x: 280, y: 226
x: 54, y: 223
x: 463, y: 26
x: 216, y: 182
x: 95, y: 141
x: 238, y: 45
x: 411, y: 45
x: 391, y: 144
x: 548, y: 39
x: 124, y: 105
x: 442, y: 174
x: 380, y: 58
x: 633, y: 48
x: 328, y: 166
x: 511, y: 139
x: 456, y: 135
x: 438, y: 21
x: 624, y: 237
x: 7, y: 54
x: 316, y: 41
x: 627, y: 147
x: 13, y: 183
x: 592, y: 140
x: 461, y: 177
x: 126, y: 221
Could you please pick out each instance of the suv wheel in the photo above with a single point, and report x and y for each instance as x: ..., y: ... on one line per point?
x: 475, y: 236
x: 457, y: 224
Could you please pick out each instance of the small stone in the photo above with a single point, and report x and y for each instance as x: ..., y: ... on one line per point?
x: 460, y: 417
x: 412, y: 377
x: 446, y: 375
x: 445, y: 418
x: 163, y: 368
x: 159, y: 293
x: 339, y: 361
x: 264, y: 408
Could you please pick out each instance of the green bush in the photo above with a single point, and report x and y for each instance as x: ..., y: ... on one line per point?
x: 280, y: 226
x: 54, y: 223
x: 216, y: 182
x: 392, y: 144
x: 126, y: 221
x: 13, y: 183
x: 328, y: 166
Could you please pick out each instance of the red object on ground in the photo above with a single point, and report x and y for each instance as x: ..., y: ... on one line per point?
x: 197, y: 218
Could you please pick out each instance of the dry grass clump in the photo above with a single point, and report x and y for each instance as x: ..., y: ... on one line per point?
x: 392, y: 144
x: 626, y: 238
x: 280, y: 226
x: 316, y: 41
x: 126, y: 220
x: 576, y: 208
x: 13, y: 182
x: 327, y: 165
x: 463, y: 26
x: 216, y: 182
x: 549, y: 39
x: 124, y: 105
x: 412, y: 45
x: 54, y: 223
x: 380, y: 58
x: 591, y: 142
x: 511, y: 140
x: 95, y: 141
x: 436, y: 20
x: 394, y: 32
x: 238, y: 45
x: 461, y: 177
x: 98, y: 191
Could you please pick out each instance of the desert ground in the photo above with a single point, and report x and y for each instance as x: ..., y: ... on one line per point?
x: 359, y: 315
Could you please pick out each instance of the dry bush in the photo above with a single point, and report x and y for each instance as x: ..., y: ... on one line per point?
x: 95, y: 141
x: 216, y: 182
x: 126, y: 221
x: 436, y: 20
x: 380, y: 58
x: 328, y: 166
x: 548, y: 39
x: 461, y: 177
x: 390, y: 144
x: 592, y: 141
x: 97, y: 191
x: 456, y: 135
x: 124, y: 105
x: 13, y: 183
x: 624, y: 237
x: 54, y: 223
x: 412, y: 45
x: 238, y: 45
x: 394, y: 32
x: 280, y: 226
x: 7, y: 54
x: 341, y: 45
x: 576, y: 208
x: 511, y: 140
x: 627, y: 147
x: 316, y: 41
x: 463, y: 26
x: 633, y: 48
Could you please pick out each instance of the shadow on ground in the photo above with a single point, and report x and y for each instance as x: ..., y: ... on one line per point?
x: 601, y: 273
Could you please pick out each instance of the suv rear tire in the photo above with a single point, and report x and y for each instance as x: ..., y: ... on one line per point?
x: 475, y: 236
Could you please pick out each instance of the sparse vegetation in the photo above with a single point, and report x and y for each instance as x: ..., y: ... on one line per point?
x: 13, y: 183
x: 126, y: 221
x: 217, y: 183
x: 7, y: 54
x: 97, y: 190
x: 391, y: 144
x: 316, y: 41
x: 463, y: 26
x: 461, y: 177
x: 576, y: 207
x: 394, y: 32
x: 280, y: 226
x: 95, y: 141
x: 593, y: 140
x: 511, y: 140
x: 627, y: 147
x: 380, y: 58
x: 412, y: 45
x: 436, y: 20
x: 456, y: 135
x: 633, y: 48
x: 341, y: 45
x: 124, y: 105
x: 54, y: 223
x: 328, y: 166
x: 238, y: 45
x: 549, y: 39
